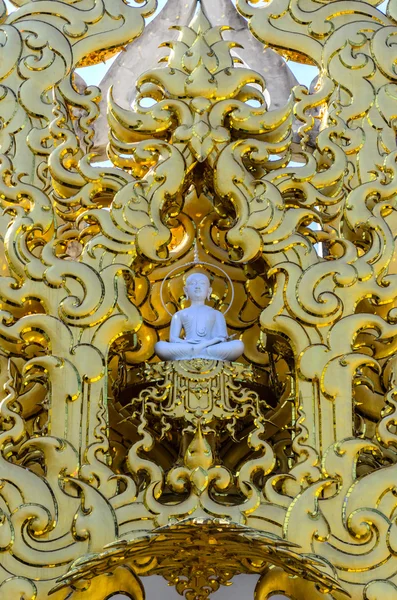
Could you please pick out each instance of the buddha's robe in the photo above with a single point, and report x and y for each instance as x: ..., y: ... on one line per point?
x: 202, y: 326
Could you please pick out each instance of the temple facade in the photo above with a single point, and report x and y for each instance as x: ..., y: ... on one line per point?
x: 198, y: 314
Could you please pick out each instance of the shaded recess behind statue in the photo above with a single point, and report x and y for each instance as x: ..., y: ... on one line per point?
x: 204, y: 328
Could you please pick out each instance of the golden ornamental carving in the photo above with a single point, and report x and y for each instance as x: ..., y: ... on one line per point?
x: 116, y: 465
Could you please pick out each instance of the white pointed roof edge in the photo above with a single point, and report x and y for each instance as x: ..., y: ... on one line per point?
x: 144, y: 54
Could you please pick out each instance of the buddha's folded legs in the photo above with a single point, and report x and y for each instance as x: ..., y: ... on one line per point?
x: 185, y: 351
x: 225, y: 350
x: 174, y: 351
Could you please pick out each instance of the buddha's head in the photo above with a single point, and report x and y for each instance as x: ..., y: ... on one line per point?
x: 198, y: 287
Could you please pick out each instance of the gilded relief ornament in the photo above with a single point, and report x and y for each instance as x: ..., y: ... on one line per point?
x: 198, y: 341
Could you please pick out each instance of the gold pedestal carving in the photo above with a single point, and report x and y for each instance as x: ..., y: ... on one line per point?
x: 114, y: 466
x: 199, y: 555
x: 192, y: 405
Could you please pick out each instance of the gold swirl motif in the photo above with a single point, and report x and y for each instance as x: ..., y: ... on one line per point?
x: 115, y: 465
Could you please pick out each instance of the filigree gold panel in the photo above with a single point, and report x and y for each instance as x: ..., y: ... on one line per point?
x: 115, y: 465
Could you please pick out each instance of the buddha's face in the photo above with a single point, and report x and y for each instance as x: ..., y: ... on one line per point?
x: 198, y: 287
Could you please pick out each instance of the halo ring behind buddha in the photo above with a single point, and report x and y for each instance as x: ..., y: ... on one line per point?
x: 195, y: 263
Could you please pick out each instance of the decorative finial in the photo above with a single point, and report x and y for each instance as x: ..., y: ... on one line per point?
x: 196, y: 259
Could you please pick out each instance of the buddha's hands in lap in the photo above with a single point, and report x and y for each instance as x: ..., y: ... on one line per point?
x: 197, y: 348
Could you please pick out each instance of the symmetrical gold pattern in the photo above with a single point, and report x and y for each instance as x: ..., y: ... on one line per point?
x: 115, y: 465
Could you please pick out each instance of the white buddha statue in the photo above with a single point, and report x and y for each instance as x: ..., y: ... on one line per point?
x: 205, y: 332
